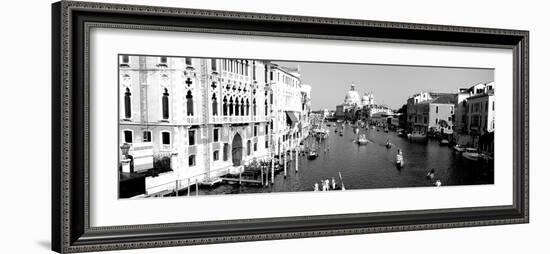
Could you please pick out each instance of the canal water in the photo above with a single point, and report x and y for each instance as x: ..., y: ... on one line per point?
x: 372, y: 165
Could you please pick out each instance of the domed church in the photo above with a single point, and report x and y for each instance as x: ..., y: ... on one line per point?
x: 352, y: 97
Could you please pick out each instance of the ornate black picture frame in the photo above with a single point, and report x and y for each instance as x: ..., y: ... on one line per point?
x: 71, y: 231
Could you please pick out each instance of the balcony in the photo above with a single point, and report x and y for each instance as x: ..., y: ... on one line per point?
x: 261, y: 118
x: 166, y: 147
x: 192, y: 120
x: 231, y: 119
x: 216, y: 119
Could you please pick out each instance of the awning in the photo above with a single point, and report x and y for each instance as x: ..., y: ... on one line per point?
x: 291, y: 118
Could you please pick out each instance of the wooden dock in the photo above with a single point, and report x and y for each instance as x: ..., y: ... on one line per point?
x: 211, y: 182
x: 241, y: 180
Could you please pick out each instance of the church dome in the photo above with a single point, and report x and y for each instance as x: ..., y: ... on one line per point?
x: 352, y: 97
x: 367, y: 99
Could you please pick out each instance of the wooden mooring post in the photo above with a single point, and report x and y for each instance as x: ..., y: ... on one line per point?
x: 284, y: 163
x: 197, y: 187
x: 296, y: 160
x: 240, y: 178
x: 266, y: 176
x: 262, y: 175
x: 272, y: 170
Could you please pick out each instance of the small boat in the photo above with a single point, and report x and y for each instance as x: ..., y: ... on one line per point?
x: 459, y: 148
x: 312, y: 155
x: 444, y: 142
x: 401, y: 133
x: 362, y: 140
x: 399, y: 159
x: 431, y: 174
x: 471, y: 154
x: 417, y: 136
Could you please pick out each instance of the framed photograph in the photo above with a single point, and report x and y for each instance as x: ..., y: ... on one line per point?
x: 179, y: 126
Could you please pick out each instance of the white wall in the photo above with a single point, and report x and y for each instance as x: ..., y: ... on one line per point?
x: 25, y: 107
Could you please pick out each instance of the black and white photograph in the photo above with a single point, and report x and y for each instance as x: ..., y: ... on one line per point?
x: 196, y: 126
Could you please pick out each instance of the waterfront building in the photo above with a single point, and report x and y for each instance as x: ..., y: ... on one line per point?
x: 431, y: 113
x: 190, y: 120
x: 475, y: 121
x: 370, y: 110
x: 385, y: 119
x: 291, y: 107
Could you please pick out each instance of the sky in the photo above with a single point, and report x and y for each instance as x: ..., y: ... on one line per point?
x: 390, y: 84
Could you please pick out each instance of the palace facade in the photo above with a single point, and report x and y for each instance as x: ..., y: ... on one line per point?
x: 191, y: 120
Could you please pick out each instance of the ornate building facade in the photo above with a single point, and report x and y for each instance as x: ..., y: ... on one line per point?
x: 198, y: 118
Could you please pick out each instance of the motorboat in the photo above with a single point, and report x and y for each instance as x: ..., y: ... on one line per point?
x: 401, y: 133
x: 399, y: 161
x: 444, y: 142
x: 471, y: 154
x: 312, y: 154
x: 459, y: 148
x: 362, y: 140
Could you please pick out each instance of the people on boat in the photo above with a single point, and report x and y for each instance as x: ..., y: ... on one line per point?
x: 431, y: 174
x: 316, y: 187
x: 438, y: 183
x: 333, y: 184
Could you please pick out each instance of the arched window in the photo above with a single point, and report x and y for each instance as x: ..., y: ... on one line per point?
x: 253, y: 70
x: 224, y: 106
x: 254, y: 107
x: 214, y: 105
x: 165, y: 109
x: 247, y: 107
x: 265, y: 108
x: 242, y: 107
x: 237, y: 107
x: 189, y: 98
x: 231, y: 106
x: 127, y: 103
